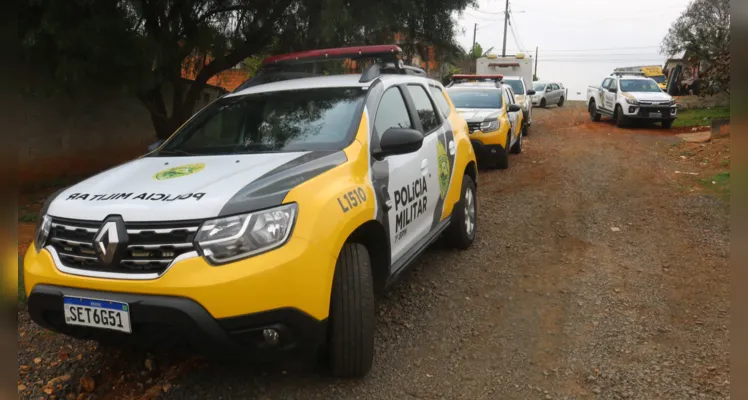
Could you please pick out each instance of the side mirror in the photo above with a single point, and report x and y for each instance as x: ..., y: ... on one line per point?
x: 155, y: 145
x: 548, y: 89
x: 514, y: 108
x: 399, y: 141
x: 613, y: 90
x: 530, y: 92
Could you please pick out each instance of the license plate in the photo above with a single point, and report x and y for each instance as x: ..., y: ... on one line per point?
x: 655, y: 115
x: 95, y: 313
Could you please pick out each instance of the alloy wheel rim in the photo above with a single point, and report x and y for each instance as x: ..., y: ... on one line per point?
x: 469, y: 212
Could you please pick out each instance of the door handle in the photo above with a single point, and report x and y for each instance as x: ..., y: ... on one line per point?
x: 452, y: 147
x: 425, y: 166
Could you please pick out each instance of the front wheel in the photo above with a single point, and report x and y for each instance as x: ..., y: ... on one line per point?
x: 620, y: 118
x: 561, y: 102
x: 462, y: 228
x: 542, y: 102
x: 352, y: 314
x: 517, y: 148
x: 667, y: 123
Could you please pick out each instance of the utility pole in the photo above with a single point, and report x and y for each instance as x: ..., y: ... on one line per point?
x: 475, y: 29
x: 506, y: 20
x: 536, y: 62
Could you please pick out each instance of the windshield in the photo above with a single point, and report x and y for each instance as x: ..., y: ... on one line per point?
x: 539, y: 87
x: 476, y: 99
x: 516, y: 86
x: 283, y: 121
x: 639, y: 85
x: 659, y: 78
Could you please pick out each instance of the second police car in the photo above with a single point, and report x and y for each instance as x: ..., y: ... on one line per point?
x: 268, y: 222
x: 494, y: 119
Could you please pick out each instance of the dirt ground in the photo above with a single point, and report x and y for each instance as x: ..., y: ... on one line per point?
x: 598, y: 272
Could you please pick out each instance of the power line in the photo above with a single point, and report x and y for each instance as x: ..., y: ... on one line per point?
x: 601, y: 49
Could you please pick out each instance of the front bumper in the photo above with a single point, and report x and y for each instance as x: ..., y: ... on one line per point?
x: 646, y: 112
x: 487, y: 152
x: 171, y: 322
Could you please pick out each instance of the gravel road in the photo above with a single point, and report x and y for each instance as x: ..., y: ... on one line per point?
x: 595, y: 275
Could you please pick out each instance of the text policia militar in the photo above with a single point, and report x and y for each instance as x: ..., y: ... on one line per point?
x: 130, y: 196
x: 410, y: 203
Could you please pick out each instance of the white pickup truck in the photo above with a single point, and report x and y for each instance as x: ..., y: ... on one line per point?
x: 626, y: 97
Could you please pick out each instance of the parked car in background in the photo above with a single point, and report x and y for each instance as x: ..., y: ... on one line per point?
x: 522, y: 95
x: 493, y: 117
x: 627, y: 97
x: 547, y: 93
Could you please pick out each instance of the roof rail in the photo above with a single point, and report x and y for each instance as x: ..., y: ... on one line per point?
x: 387, y: 61
x: 460, y: 78
x: 622, y: 73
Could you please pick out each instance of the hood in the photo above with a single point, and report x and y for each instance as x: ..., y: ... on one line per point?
x: 194, y: 187
x: 649, y: 96
x: 477, y: 114
x: 520, y: 98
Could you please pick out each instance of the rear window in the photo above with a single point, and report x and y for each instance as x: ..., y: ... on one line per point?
x: 490, y: 99
x: 283, y: 121
x: 441, y: 102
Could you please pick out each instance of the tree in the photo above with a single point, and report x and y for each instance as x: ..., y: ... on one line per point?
x: 703, y: 33
x: 144, y: 46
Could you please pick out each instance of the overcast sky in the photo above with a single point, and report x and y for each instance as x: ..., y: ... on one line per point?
x: 579, y: 41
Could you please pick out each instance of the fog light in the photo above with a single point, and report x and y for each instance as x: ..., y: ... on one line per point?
x: 631, y: 110
x: 272, y: 337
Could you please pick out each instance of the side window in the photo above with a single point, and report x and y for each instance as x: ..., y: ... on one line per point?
x: 441, y: 102
x: 424, y: 108
x: 606, y: 82
x: 392, y: 112
x: 507, y: 101
x: 613, y: 84
x: 555, y: 87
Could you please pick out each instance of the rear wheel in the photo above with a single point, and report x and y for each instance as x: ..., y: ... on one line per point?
x: 594, y: 115
x: 352, y: 314
x: 462, y: 228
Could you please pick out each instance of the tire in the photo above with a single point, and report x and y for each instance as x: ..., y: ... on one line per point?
x: 619, y: 117
x: 561, y: 101
x: 517, y: 148
x: 352, y: 314
x: 667, y: 123
x: 542, y: 102
x: 526, y: 130
x: 458, y: 235
x: 594, y: 115
x: 502, y: 159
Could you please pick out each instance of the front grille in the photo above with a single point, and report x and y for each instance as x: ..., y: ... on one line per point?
x: 645, y: 110
x: 473, y: 126
x: 151, y: 246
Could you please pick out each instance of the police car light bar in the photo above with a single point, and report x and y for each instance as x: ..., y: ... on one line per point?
x: 477, y: 77
x: 377, y: 51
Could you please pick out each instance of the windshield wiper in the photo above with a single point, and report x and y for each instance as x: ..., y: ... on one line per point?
x: 176, y: 152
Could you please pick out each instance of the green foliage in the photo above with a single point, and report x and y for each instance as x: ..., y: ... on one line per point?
x: 142, y: 46
x: 703, y: 32
x: 701, y: 116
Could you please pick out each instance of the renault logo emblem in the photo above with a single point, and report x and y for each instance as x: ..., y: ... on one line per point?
x: 110, y: 241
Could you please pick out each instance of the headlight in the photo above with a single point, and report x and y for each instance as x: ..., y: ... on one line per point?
x: 228, y: 239
x: 489, y: 126
x: 632, y: 100
x: 42, y: 232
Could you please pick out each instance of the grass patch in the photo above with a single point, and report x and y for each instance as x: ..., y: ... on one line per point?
x: 700, y: 116
x: 719, y: 184
x: 27, y: 216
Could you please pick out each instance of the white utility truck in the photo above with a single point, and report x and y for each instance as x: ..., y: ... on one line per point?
x: 626, y: 97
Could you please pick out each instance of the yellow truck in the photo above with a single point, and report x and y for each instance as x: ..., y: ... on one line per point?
x: 650, y: 71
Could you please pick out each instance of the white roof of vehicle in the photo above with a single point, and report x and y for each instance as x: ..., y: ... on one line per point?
x: 314, y: 82
x: 638, y: 77
x: 474, y: 85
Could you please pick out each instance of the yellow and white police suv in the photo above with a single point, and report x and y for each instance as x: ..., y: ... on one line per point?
x: 266, y: 224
